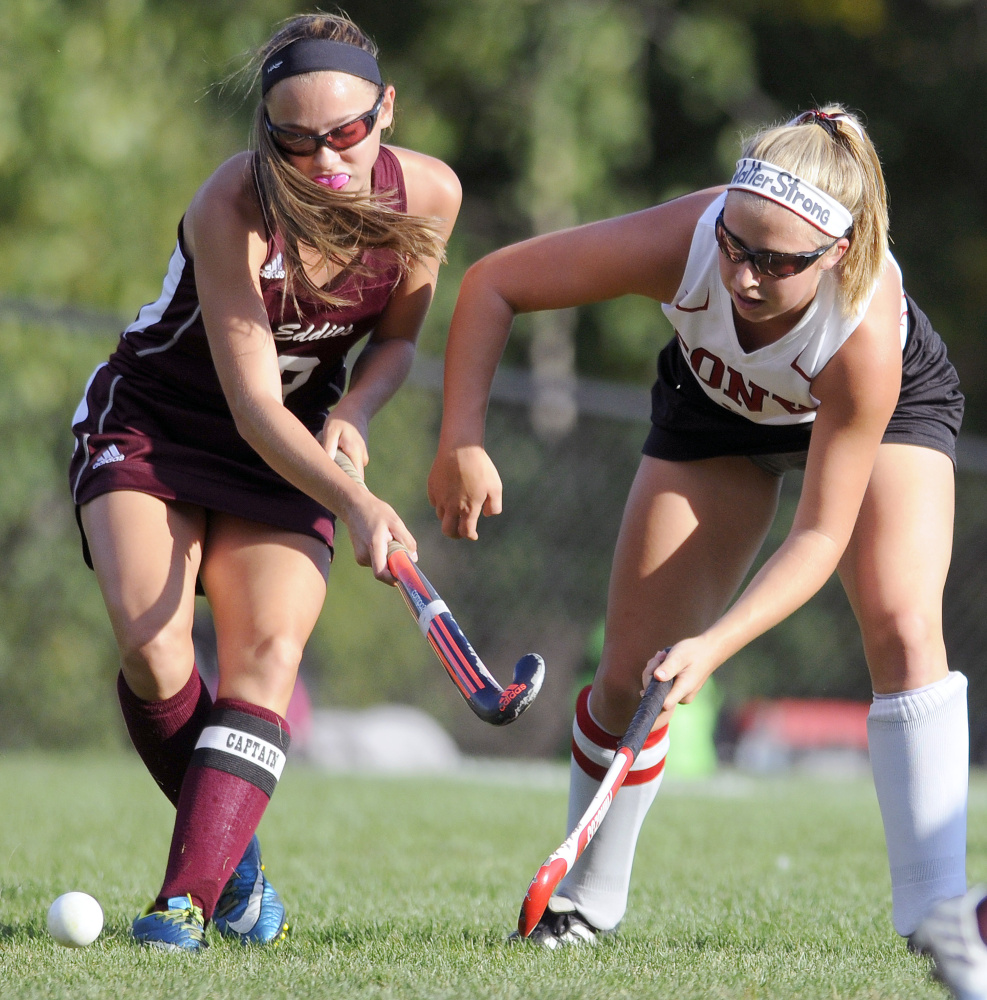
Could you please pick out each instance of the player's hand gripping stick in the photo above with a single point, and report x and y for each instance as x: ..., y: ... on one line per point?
x: 488, y: 700
x: 557, y: 865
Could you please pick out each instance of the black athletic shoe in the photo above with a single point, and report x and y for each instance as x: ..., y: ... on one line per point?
x: 561, y: 924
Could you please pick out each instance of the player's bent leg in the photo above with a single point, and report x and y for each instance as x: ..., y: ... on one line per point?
x: 598, y: 884
x: 146, y: 556
x: 234, y: 771
x: 681, y: 554
x: 164, y: 733
x: 266, y: 589
x: 894, y: 571
x: 919, y: 749
x: 689, y: 533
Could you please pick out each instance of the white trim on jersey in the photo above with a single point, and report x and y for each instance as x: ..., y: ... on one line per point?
x: 83, y: 442
x: 152, y: 312
x: 109, y: 403
x: 174, y: 340
x: 82, y: 410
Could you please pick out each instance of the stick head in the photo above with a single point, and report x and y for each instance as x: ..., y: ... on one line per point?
x: 538, y: 894
x: 529, y: 672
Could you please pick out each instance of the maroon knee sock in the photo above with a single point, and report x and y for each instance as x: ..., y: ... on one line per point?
x: 982, y: 919
x: 234, y: 770
x: 164, y: 732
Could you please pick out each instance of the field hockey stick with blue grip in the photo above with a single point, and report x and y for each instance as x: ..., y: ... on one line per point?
x: 488, y: 700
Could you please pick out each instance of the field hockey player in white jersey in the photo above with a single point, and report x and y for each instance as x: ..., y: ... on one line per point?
x: 794, y: 347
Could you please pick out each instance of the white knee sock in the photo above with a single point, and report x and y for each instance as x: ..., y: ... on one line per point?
x: 919, y: 751
x: 599, y: 881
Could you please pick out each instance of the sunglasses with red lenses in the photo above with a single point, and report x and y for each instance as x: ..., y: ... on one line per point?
x: 766, y: 262
x: 339, y: 138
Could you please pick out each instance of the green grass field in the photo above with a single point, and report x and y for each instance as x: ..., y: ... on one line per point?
x: 401, y: 888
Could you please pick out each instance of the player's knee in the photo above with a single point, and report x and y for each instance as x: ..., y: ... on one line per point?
x: 156, y: 664
x: 905, y: 650
x: 275, y: 656
x: 262, y: 673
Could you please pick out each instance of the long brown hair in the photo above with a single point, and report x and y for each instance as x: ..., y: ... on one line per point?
x: 338, y: 225
x: 839, y: 158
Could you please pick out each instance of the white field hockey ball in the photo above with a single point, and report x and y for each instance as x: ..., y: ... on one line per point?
x: 75, y: 919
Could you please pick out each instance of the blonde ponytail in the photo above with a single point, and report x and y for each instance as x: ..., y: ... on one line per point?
x: 831, y: 149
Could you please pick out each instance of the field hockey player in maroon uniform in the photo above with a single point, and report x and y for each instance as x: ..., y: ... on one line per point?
x: 204, y: 448
x: 794, y: 347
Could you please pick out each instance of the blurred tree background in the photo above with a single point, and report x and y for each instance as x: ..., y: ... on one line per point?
x: 552, y: 112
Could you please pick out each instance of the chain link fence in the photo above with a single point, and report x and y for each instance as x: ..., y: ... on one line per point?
x: 535, y: 582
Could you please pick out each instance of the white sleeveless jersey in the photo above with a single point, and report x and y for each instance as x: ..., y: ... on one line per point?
x: 772, y: 384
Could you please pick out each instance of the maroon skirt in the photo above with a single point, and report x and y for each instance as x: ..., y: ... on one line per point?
x: 129, y: 439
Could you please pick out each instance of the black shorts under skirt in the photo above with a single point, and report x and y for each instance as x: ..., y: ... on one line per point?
x: 687, y: 425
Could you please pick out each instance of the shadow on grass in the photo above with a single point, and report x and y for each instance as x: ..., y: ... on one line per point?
x: 31, y: 931
x: 365, y: 936
x: 34, y: 931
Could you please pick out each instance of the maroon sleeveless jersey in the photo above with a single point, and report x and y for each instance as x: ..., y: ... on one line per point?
x: 154, y: 418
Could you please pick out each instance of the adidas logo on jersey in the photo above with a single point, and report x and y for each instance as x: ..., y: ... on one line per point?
x: 273, y: 269
x: 111, y: 454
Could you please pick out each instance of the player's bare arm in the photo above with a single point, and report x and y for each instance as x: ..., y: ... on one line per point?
x: 643, y: 253
x: 382, y: 366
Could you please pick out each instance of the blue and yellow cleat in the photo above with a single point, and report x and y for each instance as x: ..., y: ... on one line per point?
x: 249, y: 909
x: 179, y: 928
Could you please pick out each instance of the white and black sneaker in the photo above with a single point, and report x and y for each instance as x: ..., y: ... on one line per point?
x: 561, y: 924
x: 951, y: 936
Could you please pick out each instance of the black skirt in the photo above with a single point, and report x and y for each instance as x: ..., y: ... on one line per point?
x: 687, y: 425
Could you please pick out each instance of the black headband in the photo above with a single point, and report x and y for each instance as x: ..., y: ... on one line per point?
x: 311, y: 55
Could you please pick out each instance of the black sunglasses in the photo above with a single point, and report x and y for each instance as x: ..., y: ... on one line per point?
x: 767, y: 262
x: 339, y: 138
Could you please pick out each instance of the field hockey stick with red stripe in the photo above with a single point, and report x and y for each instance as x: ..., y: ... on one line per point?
x: 488, y: 700
x: 557, y: 865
